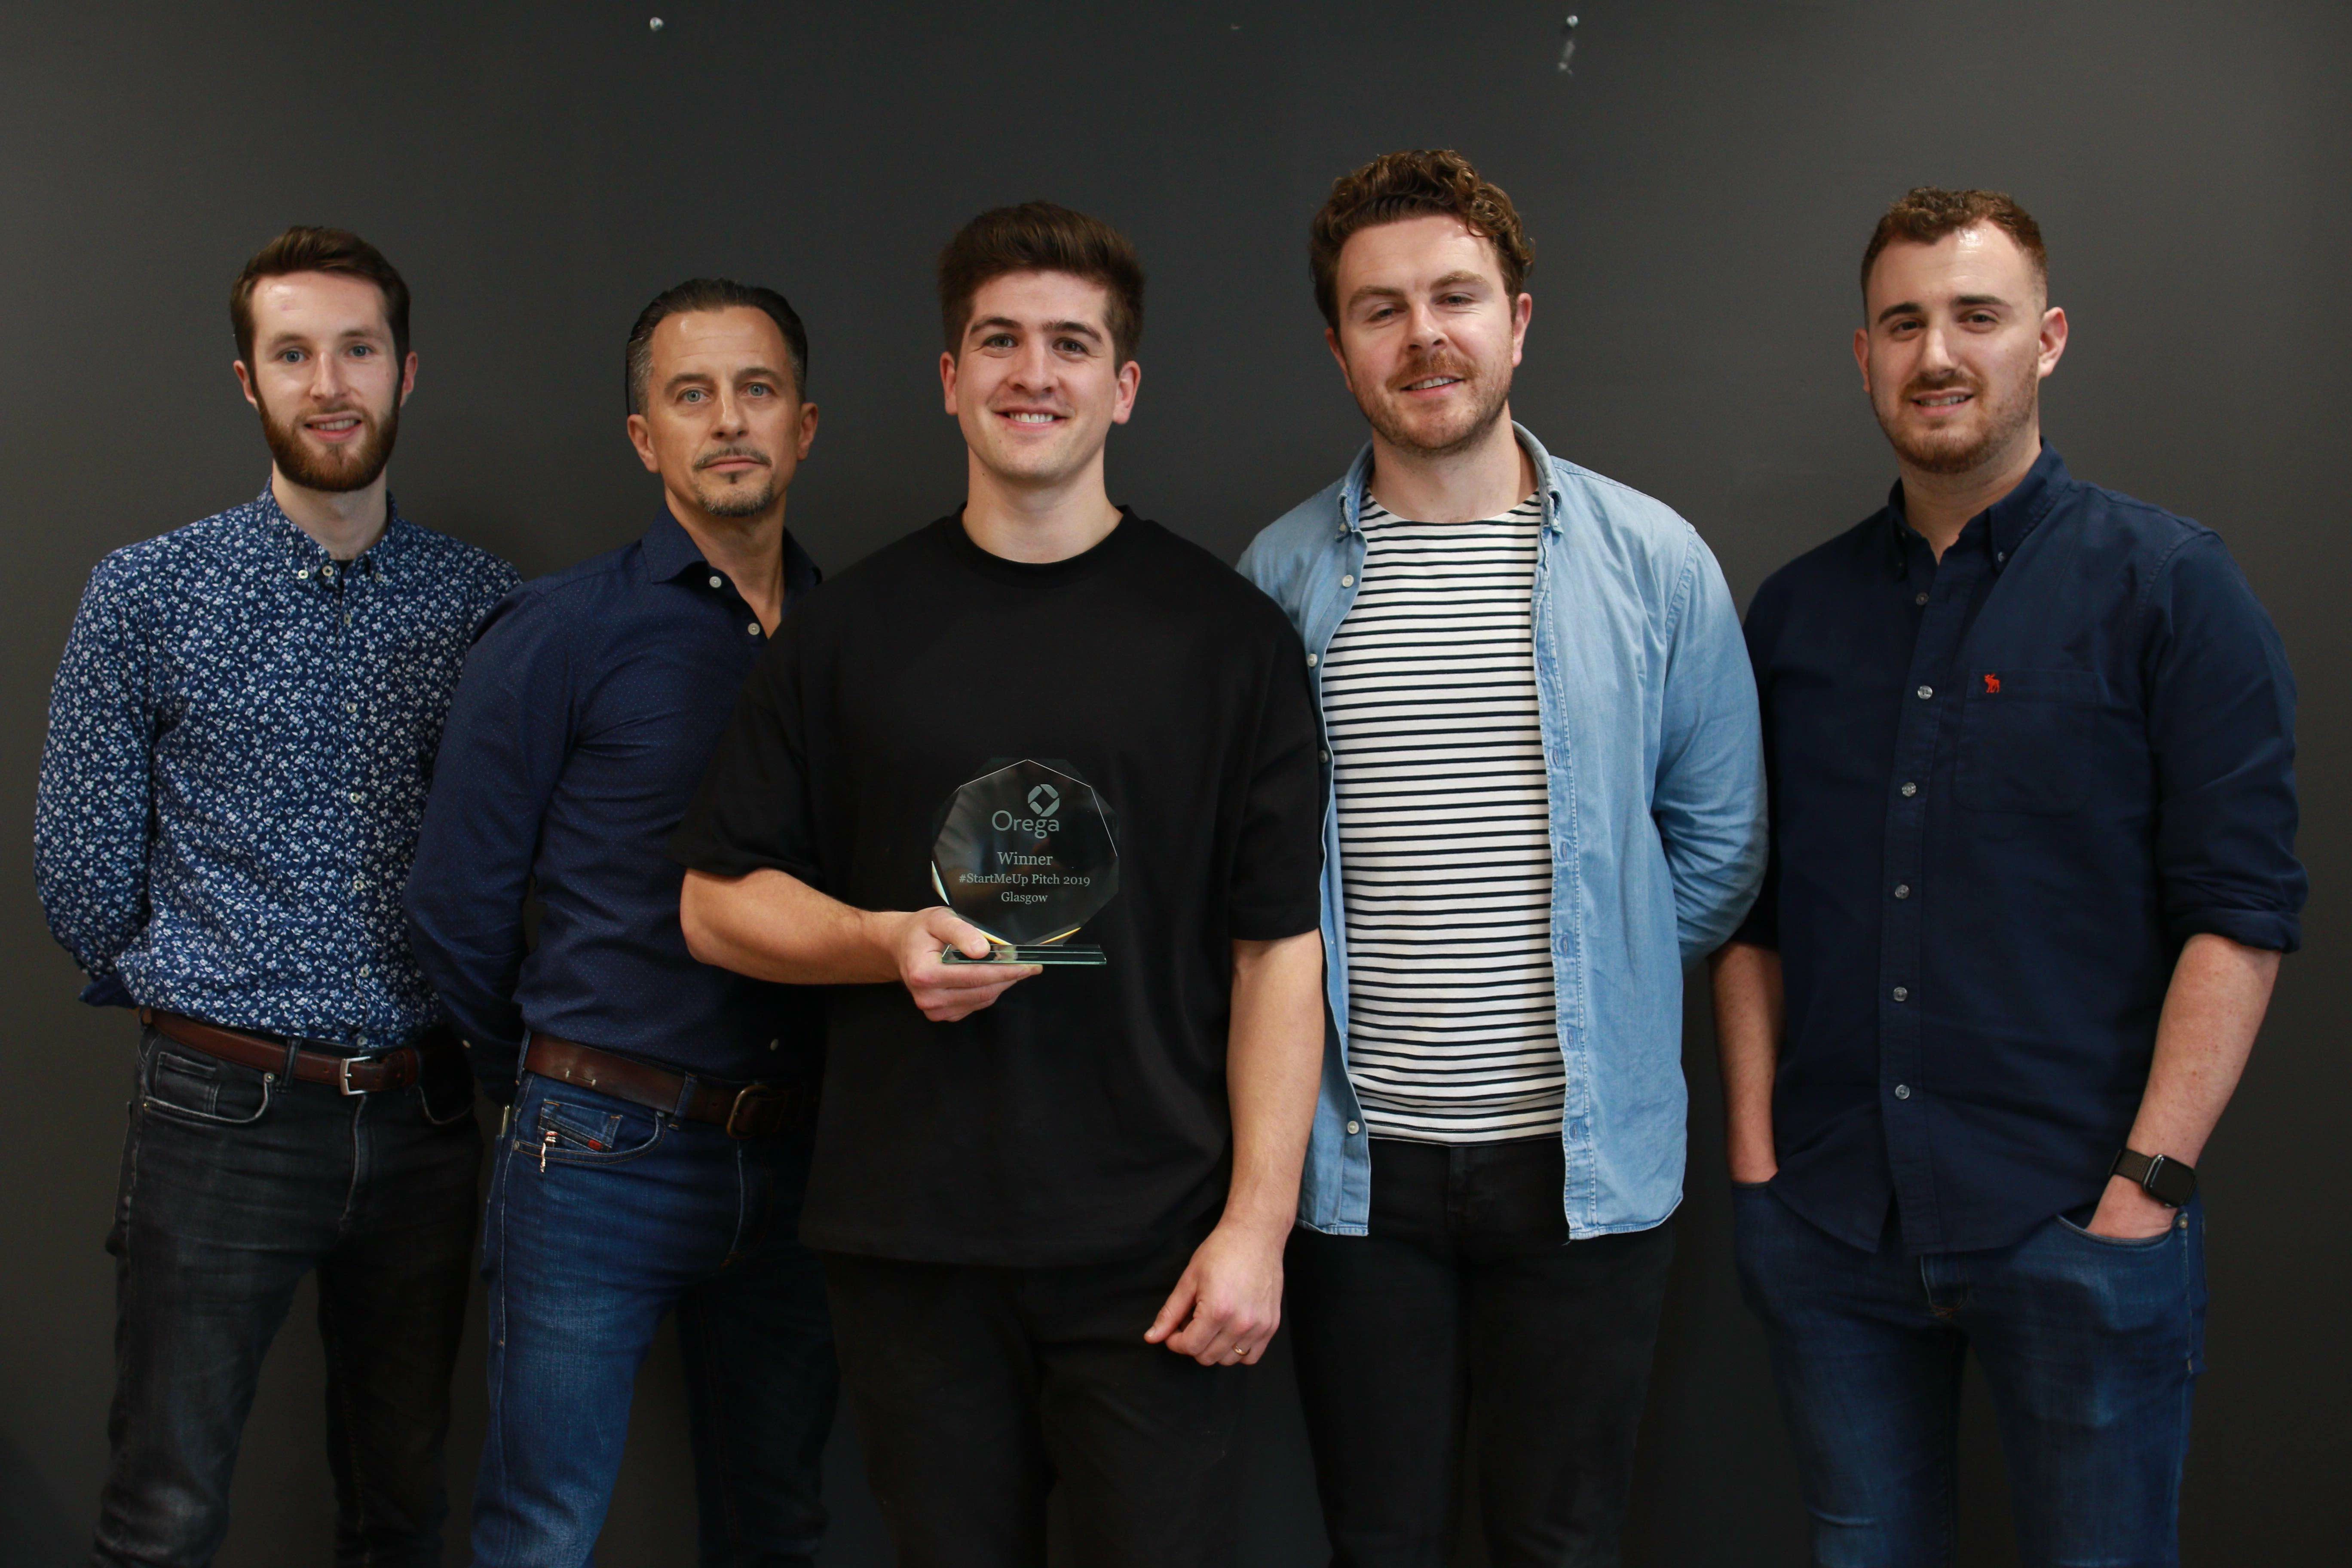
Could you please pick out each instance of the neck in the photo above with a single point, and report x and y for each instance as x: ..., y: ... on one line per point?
x: 1038, y: 523
x: 1938, y: 506
x: 750, y: 550
x: 1484, y: 478
x: 344, y: 522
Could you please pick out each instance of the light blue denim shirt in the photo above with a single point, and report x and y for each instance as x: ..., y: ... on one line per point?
x: 1651, y: 738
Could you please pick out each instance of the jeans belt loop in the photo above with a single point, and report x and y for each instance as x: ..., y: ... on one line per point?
x: 688, y: 1087
x: 293, y: 1054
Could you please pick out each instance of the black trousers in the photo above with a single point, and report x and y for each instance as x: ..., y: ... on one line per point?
x: 1467, y: 1317
x: 980, y: 1392
x: 236, y: 1184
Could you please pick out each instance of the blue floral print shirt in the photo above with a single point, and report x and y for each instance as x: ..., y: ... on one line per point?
x: 241, y: 737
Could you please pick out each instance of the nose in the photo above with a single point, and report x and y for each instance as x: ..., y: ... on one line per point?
x: 1033, y: 367
x: 732, y: 415
x: 1936, y: 350
x: 1423, y: 329
x: 326, y: 382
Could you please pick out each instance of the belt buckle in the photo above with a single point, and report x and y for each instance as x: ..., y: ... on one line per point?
x: 344, y: 1075
x: 748, y: 1102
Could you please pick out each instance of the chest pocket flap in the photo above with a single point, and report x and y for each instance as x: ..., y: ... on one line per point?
x: 2024, y: 741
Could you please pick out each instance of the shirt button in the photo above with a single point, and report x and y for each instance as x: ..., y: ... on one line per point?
x: 717, y: 583
x: 353, y: 706
x: 1999, y: 556
x: 1909, y: 790
x: 1901, y: 1091
x: 365, y: 971
x: 1926, y: 692
x: 753, y: 628
x: 775, y: 1045
x: 355, y: 797
x: 1902, y: 890
x: 1903, y: 994
x: 303, y: 572
x: 1310, y: 661
x: 1354, y: 1128
x: 1920, y: 600
x: 1348, y: 581
x: 1327, y: 755
x: 325, y: 571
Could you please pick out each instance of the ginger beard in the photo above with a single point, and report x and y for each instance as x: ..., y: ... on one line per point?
x: 1436, y: 432
x: 2002, y: 412
x: 334, y: 469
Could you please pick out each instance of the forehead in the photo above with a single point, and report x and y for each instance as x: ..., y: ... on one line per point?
x: 1981, y: 259
x: 1042, y: 297
x: 1419, y: 249
x: 317, y: 304
x: 712, y: 341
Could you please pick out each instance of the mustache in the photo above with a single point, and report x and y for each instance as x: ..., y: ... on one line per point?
x: 730, y: 454
x: 1435, y: 365
x: 1946, y: 381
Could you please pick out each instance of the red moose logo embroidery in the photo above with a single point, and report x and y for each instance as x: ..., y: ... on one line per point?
x: 1993, y: 686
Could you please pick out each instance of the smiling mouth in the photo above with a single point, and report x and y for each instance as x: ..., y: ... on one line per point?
x: 1031, y: 418
x: 1941, y: 399
x: 1432, y: 382
x: 335, y: 424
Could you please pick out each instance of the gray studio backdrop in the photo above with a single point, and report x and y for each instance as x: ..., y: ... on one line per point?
x: 1699, y: 188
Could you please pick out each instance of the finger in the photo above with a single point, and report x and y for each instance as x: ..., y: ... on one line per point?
x: 960, y: 934
x: 1174, y: 1311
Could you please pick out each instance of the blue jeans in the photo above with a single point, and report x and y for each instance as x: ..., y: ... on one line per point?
x: 2090, y: 1347
x: 236, y: 1184
x: 602, y: 1217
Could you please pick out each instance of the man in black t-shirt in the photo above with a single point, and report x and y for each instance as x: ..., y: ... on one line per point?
x: 1031, y: 1185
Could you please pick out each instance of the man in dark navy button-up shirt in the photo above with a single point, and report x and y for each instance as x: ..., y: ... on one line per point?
x: 2031, y: 746
x: 588, y: 707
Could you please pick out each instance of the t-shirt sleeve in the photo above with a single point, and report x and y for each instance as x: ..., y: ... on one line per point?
x: 1277, y: 878
x: 752, y: 812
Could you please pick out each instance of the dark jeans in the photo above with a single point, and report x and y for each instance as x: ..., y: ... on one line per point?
x: 236, y: 1184
x: 2090, y: 1348
x: 604, y: 1216
x: 1469, y: 1316
x: 978, y: 1391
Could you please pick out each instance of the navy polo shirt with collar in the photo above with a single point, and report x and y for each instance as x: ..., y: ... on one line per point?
x: 2005, y: 789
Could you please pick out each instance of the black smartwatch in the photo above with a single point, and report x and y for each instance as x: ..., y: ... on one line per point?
x: 2169, y: 1182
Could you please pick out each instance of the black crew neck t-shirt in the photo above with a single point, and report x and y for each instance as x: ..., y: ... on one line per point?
x: 1083, y: 1117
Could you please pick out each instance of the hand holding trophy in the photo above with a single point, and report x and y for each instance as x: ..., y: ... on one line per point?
x: 1028, y: 852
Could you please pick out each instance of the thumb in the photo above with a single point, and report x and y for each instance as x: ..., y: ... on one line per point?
x: 961, y: 933
x: 1173, y: 1315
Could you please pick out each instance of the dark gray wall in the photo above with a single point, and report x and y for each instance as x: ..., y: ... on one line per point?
x: 1700, y: 189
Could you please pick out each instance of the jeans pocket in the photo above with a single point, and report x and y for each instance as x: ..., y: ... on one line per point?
x: 2120, y: 1243
x: 571, y: 1132
x: 201, y: 1091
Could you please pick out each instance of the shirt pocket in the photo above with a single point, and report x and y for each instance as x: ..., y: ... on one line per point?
x: 2024, y: 741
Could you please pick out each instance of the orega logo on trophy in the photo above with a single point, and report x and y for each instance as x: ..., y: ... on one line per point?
x: 1028, y: 852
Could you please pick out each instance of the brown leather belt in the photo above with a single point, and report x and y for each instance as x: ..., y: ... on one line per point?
x: 352, y: 1075
x: 741, y: 1110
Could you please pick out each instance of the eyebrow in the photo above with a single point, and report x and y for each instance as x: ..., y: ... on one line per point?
x: 1913, y: 307
x: 1080, y: 328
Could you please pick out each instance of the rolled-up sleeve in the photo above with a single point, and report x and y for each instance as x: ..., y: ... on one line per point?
x: 1708, y: 792
x: 2221, y: 716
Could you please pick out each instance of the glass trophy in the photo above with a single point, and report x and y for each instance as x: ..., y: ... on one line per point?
x: 1028, y: 852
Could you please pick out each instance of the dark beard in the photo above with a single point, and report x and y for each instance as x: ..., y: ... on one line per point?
x: 335, y: 475
x: 749, y: 503
x: 2005, y: 420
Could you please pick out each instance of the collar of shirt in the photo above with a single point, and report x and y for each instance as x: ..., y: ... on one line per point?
x: 1999, y: 530
x: 668, y: 552
x: 311, y: 559
x: 1359, y: 481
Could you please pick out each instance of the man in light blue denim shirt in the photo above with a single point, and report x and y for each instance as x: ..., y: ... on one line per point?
x: 1547, y: 796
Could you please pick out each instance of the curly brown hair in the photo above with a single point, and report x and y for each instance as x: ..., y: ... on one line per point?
x: 1926, y: 214
x: 1397, y: 185
x: 306, y: 248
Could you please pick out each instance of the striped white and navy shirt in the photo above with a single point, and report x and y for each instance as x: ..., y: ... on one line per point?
x: 1429, y: 695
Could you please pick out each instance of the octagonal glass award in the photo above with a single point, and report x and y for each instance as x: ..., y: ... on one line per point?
x: 1029, y: 853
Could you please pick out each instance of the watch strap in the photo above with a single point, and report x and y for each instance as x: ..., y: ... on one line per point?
x: 2167, y: 1180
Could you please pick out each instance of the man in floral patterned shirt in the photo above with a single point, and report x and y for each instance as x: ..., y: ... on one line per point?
x: 240, y: 739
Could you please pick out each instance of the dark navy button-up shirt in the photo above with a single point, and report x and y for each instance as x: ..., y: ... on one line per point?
x: 2005, y: 789
x: 240, y: 739
x: 588, y: 706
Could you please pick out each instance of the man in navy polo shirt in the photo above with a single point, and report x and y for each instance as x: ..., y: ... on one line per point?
x: 2031, y: 745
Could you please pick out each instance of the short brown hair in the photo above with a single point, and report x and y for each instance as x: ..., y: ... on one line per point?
x: 1038, y: 237
x: 1926, y: 214
x: 1397, y: 185
x: 304, y: 249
